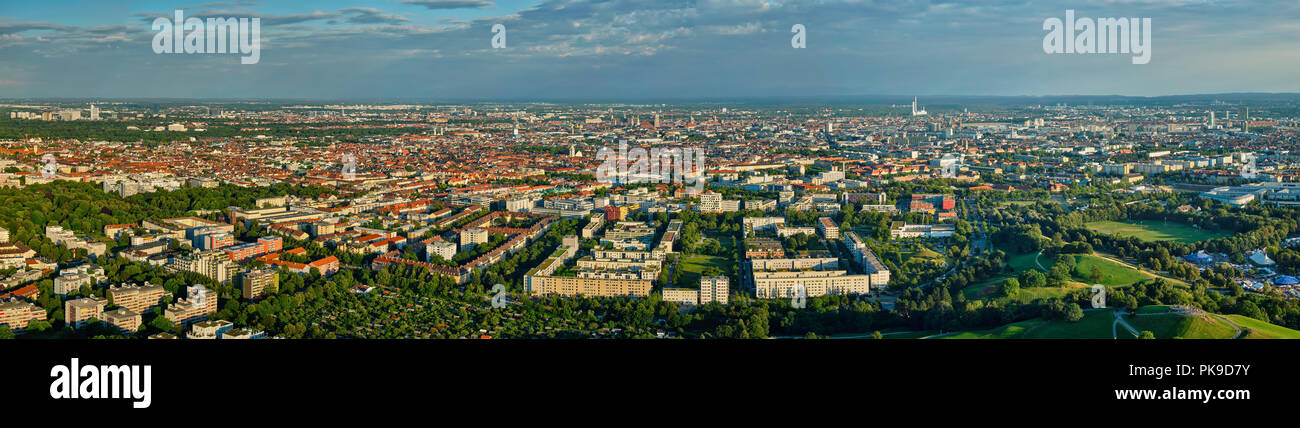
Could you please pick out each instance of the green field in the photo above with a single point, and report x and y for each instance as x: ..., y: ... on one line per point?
x: 1112, y: 274
x: 1177, y: 326
x: 1097, y: 324
x: 1094, y: 325
x: 1152, y: 230
x: 693, y: 266
x: 1019, y: 263
x: 1257, y: 329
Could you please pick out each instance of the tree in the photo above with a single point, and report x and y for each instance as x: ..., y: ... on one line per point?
x: 1073, y: 313
x: 162, y: 323
x: 5, y: 332
x: 1010, y: 287
x: 1032, y: 278
x: 38, y: 325
x: 1147, y: 334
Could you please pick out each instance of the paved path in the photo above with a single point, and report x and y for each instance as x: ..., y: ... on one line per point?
x: 1119, y: 320
x: 1240, y: 331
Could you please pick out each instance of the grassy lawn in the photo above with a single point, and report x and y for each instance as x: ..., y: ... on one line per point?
x: 1009, y: 331
x: 1019, y: 263
x: 1262, y: 330
x: 1177, y: 326
x: 1152, y: 230
x: 1112, y: 274
x: 1094, y: 325
x: 692, y: 267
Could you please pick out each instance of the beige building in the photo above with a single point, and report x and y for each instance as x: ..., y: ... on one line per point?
x: 76, y: 312
x: 200, y: 302
x: 256, y: 283
x: 215, y: 264
x: 771, y: 285
x: 688, y: 296
x: 137, y: 298
x: 573, y: 286
x: 209, y: 329
x: 473, y: 235
x: 125, y: 319
x: 714, y: 289
x: 17, y: 314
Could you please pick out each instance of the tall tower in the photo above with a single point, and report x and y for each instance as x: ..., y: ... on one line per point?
x: 656, y: 120
x: 1211, y: 118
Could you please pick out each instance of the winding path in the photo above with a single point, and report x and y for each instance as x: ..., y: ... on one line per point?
x: 1119, y: 320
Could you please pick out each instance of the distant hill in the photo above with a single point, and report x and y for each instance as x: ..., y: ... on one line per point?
x: 1165, y: 322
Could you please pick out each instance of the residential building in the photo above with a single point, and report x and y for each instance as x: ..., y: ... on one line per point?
x: 76, y: 312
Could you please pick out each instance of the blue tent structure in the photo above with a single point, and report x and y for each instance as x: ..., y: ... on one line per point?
x: 1286, y: 280
x: 1201, y: 257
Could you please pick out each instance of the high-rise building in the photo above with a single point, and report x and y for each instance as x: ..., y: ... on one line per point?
x: 259, y: 282
x: 17, y: 314
x: 473, y: 235
x: 444, y: 249
x: 200, y: 302
x: 215, y: 264
x: 137, y: 298
x: 127, y: 320
x: 710, y: 202
x: 76, y: 312
x: 94, y: 112
x: 713, y: 289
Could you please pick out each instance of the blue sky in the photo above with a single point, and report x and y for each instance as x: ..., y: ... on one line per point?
x: 644, y: 49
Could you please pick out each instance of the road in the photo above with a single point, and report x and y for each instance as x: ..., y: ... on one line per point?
x: 1119, y: 320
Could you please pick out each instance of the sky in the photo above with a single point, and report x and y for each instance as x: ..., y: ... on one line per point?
x: 630, y: 50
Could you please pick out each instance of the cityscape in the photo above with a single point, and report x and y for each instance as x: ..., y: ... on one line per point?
x: 573, y: 169
x: 1100, y: 218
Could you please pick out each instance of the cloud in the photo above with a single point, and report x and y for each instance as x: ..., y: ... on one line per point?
x: 367, y: 15
x: 661, y: 48
x: 451, y: 4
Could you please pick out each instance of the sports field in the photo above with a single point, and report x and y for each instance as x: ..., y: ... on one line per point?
x: 1152, y: 230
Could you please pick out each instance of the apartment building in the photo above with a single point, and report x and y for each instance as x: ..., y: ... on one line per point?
x: 124, y: 319
x: 199, y: 303
x: 444, y: 249
x: 215, y: 264
x: 713, y: 289
x: 76, y: 312
x: 209, y: 329
x: 770, y: 285
x: 258, y: 282
x: 17, y: 314
x: 137, y: 298
x: 827, y: 228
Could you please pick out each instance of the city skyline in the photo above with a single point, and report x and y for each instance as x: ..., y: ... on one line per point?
x: 640, y: 50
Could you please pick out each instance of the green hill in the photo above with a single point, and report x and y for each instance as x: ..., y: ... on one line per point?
x: 1094, y: 325
x: 1165, y: 322
x: 1256, y: 329
x: 1174, y: 325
